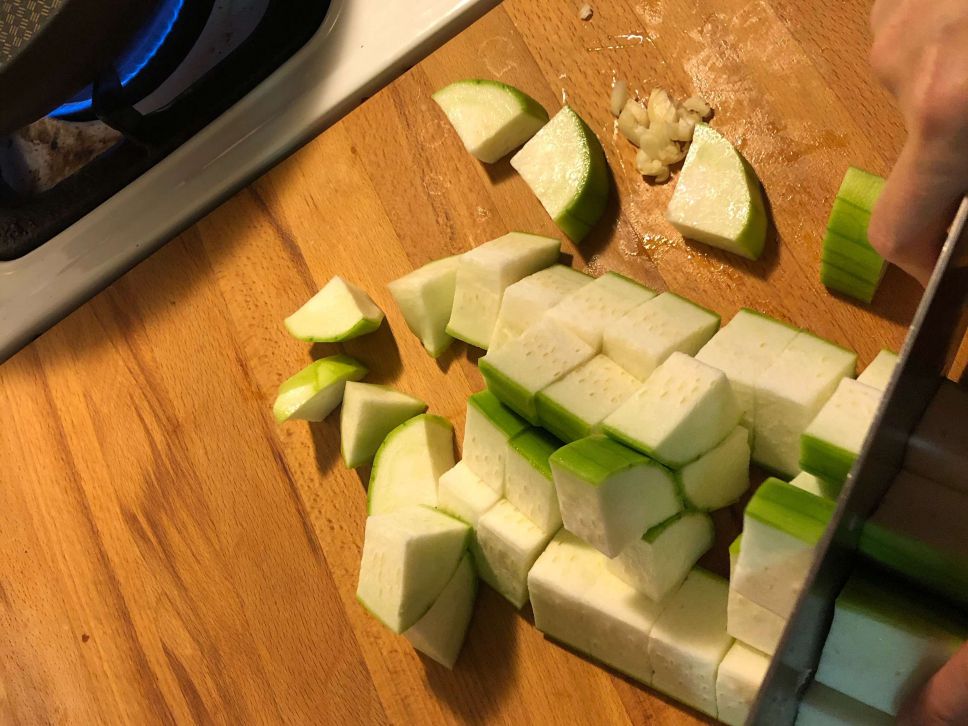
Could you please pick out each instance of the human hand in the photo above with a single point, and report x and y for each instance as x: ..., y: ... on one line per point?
x: 920, y: 53
x: 944, y: 699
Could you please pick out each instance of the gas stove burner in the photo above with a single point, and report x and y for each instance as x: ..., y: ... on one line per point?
x: 190, y: 62
x: 170, y: 21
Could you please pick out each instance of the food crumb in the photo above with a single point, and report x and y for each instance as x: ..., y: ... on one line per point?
x: 585, y: 12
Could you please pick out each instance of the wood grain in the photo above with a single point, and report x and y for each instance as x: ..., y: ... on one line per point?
x: 172, y: 556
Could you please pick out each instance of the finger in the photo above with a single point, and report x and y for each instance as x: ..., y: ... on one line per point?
x: 881, y: 12
x: 911, y: 218
x: 944, y: 699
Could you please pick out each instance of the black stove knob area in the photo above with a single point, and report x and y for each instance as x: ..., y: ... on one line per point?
x: 50, y: 49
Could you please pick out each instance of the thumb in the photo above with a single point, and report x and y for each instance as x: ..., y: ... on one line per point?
x: 944, y: 699
x: 911, y: 217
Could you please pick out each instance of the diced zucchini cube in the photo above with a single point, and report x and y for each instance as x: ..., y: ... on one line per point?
x: 689, y: 640
x: 588, y: 311
x: 557, y: 582
x: 684, y: 409
x: 507, y: 545
x: 781, y: 528
x: 545, y: 353
x: 409, y: 556
x: 574, y: 407
x: 408, y: 464
x: 816, y: 485
x: 886, y: 640
x: 340, y: 311
x: 645, y: 336
x: 440, y: 633
x: 578, y: 602
x: 790, y: 393
x: 753, y: 624
x: 370, y: 412
x: 878, y: 372
x: 656, y: 564
x: 831, y: 443
x: 743, y: 349
x: 745, y: 620
x: 619, y: 625
x: 529, y: 483
x: 426, y: 299
x: 610, y: 495
x: 738, y: 681
x: 488, y: 428
x: 315, y: 391
x: 861, y: 188
x: 720, y: 476
x: 463, y: 494
x: 527, y: 300
x: 485, y: 272
x: 491, y: 118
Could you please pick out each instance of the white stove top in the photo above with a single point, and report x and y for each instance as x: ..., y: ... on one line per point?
x: 361, y: 46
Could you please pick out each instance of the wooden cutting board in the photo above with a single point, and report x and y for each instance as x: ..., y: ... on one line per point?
x: 169, y: 554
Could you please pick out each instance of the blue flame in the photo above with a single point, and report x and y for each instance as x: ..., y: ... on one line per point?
x: 141, y: 50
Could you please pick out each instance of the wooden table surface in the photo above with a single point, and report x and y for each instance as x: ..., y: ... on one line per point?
x: 169, y: 554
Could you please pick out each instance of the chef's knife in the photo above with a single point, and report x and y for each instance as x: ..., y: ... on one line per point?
x: 932, y: 342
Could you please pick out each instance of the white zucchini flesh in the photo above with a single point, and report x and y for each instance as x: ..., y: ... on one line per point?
x: 491, y: 118
x: 485, y: 272
x: 426, y: 299
x: 545, y: 353
x: 738, y: 681
x: 340, y: 311
x: 526, y: 301
x: 743, y: 349
x: 508, y: 543
x: 408, y: 558
x: 644, y: 337
x: 717, y: 199
x: 657, y: 564
x: 753, y: 624
x: 619, y: 625
x: 591, y: 309
x: 790, y: 393
x: 369, y: 413
x: 878, y: 372
x: 440, y: 633
x: 564, y: 165
x: 815, y: 485
x: 885, y: 641
x: 487, y: 429
x: 782, y: 525
x: 574, y: 406
x: 684, y: 409
x: 610, y: 495
x: 408, y: 464
x: 720, y: 476
x: 314, y: 392
x: 567, y: 568
x: 462, y: 494
x: 689, y: 641
x: 529, y: 483
x: 578, y: 602
x: 830, y: 444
